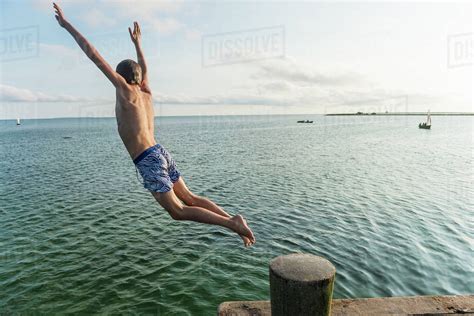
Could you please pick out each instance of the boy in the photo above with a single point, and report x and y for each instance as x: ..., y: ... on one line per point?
x: 135, y: 122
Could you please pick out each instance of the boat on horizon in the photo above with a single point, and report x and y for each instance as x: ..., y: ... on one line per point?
x: 18, y: 122
x: 303, y: 121
x: 427, y: 124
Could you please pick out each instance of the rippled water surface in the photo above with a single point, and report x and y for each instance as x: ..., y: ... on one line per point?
x: 390, y: 205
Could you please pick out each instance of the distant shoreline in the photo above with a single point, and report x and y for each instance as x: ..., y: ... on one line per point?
x: 404, y: 114
x: 301, y: 115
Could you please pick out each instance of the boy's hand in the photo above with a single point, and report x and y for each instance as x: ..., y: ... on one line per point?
x: 136, y: 35
x: 59, y: 15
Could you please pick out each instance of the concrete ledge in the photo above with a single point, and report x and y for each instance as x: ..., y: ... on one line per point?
x: 409, y: 305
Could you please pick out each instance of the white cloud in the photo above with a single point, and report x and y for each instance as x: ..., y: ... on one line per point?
x: 192, y: 35
x: 277, y: 86
x: 157, y: 14
x: 317, y: 97
x: 329, y: 89
x: 288, y: 70
x: 95, y: 18
x: 284, y: 82
x: 318, y: 100
x: 160, y: 16
x: 166, y: 25
x: 13, y: 94
x: 274, y: 83
x: 47, y: 5
x: 220, y: 99
x: 58, y: 49
x: 144, y: 9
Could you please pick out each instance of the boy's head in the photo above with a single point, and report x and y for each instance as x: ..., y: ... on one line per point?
x: 130, y: 71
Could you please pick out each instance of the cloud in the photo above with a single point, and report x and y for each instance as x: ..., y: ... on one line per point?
x: 279, y: 83
x: 60, y: 50
x: 192, y: 34
x: 166, y: 25
x: 105, y: 14
x: 277, y: 86
x: 284, y: 82
x: 144, y: 9
x: 323, y: 101
x: 14, y: 94
x: 95, y: 18
x: 288, y: 70
x: 47, y: 5
x: 220, y: 99
x: 158, y: 15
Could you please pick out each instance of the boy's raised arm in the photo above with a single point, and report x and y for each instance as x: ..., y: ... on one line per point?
x: 88, y: 49
x: 136, y: 39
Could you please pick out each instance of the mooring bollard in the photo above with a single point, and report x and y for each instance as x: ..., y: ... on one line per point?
x: 301, y: 284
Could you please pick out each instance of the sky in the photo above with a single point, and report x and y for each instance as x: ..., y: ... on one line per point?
x: 241, y: 57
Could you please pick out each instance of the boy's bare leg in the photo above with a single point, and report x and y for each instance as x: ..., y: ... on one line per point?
x: 191, y: 199
x: 213, y: 207
x: 178, y: 211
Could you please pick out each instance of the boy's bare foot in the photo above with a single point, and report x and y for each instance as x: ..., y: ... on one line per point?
x: 246, y: 241
x: 242, y: 228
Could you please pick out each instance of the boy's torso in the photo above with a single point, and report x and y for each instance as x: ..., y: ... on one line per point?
x: 135, y: 119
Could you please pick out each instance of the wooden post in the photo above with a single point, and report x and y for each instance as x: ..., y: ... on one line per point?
x: 301, y: 284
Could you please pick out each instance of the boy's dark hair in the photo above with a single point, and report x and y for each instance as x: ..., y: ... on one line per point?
x: 130, y: 71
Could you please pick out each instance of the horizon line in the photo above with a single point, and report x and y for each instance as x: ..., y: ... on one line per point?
x: 439, y: 113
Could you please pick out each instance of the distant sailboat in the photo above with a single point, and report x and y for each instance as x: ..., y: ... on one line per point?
x: 426, y: 125
x: 18, y: 121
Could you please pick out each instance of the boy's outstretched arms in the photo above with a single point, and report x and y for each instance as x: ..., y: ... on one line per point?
x: 136, y: 37
x: 89, y: 50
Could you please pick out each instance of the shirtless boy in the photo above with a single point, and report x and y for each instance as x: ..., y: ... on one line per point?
x: 135, y: 122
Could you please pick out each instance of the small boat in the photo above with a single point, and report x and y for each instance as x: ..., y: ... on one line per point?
x: 303, y: 121
x: 18, y: 121
x: 426, y: 125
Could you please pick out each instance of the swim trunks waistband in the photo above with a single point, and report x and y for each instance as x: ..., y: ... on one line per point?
x: 144, y: 153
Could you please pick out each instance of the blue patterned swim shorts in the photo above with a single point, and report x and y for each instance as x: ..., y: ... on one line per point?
x: 157, y: 168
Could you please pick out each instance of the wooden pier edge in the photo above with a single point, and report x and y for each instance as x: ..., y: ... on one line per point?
x: 407, y: 305
x: 302, y: 284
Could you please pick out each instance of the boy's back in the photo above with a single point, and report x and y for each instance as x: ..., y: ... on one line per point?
x: 134, y: 113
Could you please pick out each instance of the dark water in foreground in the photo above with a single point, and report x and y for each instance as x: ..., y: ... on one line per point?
x: 390, y: 205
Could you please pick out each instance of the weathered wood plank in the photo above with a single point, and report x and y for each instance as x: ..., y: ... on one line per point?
x: 410, y: 305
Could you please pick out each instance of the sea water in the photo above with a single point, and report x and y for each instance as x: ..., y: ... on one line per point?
x: 388, y: 204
